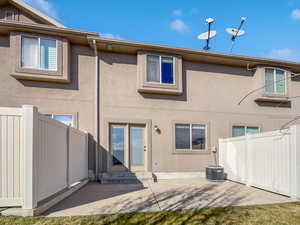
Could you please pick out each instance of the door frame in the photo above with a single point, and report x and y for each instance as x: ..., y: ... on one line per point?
x: 107, y: 141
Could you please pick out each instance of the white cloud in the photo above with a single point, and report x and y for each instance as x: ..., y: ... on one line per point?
x: 178, y: 25
x: 177, y: 12
x: 295, y: 15
x: 111, y: 36
x: 44, y: 6
x: 284, y: 54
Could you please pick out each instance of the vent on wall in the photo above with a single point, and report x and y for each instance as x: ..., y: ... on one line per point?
x: 11, y: 15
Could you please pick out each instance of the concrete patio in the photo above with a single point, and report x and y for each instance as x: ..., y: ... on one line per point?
x: 97, y: 198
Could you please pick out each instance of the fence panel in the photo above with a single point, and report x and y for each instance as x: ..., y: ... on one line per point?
x: 261, y: 160
x: 234, y: 158
x: 10, y: 157
x: 39, y: 157
x: 78, y: 156
x: 52, y: 157
x: 270, y: 161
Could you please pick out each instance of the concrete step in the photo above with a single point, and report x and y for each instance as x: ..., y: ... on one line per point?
x: 126, y: 177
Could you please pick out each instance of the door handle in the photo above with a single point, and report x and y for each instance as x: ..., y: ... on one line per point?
x: 145, y: 148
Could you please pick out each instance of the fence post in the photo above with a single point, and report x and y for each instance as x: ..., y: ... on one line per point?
x: 294, y: 161
x: 248, y: 160
x: 30, y: 148
x: 68, y: 156
x: 87, y: 152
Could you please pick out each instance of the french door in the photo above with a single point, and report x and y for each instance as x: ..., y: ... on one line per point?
x: 127, y: 147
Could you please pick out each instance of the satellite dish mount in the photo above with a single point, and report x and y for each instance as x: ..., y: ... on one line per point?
x: 236, y: 32
x: 208, y: 35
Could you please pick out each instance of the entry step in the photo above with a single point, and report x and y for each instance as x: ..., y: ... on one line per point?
x: 126, y: 177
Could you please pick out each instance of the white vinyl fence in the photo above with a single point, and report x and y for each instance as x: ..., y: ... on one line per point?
x: 269, y: 160
x: 39, y: 157
x: 10, y: 157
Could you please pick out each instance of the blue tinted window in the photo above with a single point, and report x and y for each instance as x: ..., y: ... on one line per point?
x: 66, y: 119
x: 167, y: 70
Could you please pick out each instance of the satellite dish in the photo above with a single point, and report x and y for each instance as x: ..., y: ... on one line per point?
x: 204, y: 36
x: 233, y: 32
x: 209, y: 20
x: 236, y: 32
x: 208, y: 35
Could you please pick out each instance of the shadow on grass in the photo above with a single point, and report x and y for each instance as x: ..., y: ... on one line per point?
x: 288, y: 213
x: 204, y: 216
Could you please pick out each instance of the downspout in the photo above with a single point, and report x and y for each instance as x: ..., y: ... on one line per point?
x: 97, y: 111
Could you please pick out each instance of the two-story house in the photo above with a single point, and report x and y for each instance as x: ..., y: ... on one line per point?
x: 148, y: 108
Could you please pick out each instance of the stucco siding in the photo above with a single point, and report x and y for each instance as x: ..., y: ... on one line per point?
x: 77, y: 97
x: 210, y: 94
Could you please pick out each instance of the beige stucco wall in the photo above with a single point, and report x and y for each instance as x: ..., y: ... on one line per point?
x: 74, y: 98
x: 211, y: 94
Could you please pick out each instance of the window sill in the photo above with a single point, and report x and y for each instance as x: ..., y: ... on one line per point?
x: 37, y: 77
x: 274, y: 102
x: 191, y: 152
x: 167, y: 90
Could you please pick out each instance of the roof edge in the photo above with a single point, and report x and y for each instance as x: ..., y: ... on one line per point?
x: 43, y: 27
x: 158, y: 47
x: 36, y: 12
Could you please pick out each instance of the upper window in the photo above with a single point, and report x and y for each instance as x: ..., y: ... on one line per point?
x: 158, y: 73
x: 275, y: 81
x: 238, y: 131
x: 63, y: 118
x: 66, y: 119
x: 190, y: 136
x: 160, y: 69
x: 39, y: 53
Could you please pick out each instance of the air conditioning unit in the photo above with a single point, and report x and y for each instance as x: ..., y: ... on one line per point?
x: 215, y: 173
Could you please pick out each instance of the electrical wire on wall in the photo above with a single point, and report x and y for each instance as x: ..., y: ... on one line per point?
x: 284, y: 126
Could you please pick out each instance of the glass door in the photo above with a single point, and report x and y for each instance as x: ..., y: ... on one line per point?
x: 137, y: 145
x: 118, y: 137
x: 127, y: 147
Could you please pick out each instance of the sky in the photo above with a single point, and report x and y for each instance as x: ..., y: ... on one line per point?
x: 272, y: 27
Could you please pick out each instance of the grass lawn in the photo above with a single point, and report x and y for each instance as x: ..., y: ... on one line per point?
x: 260, y: 215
